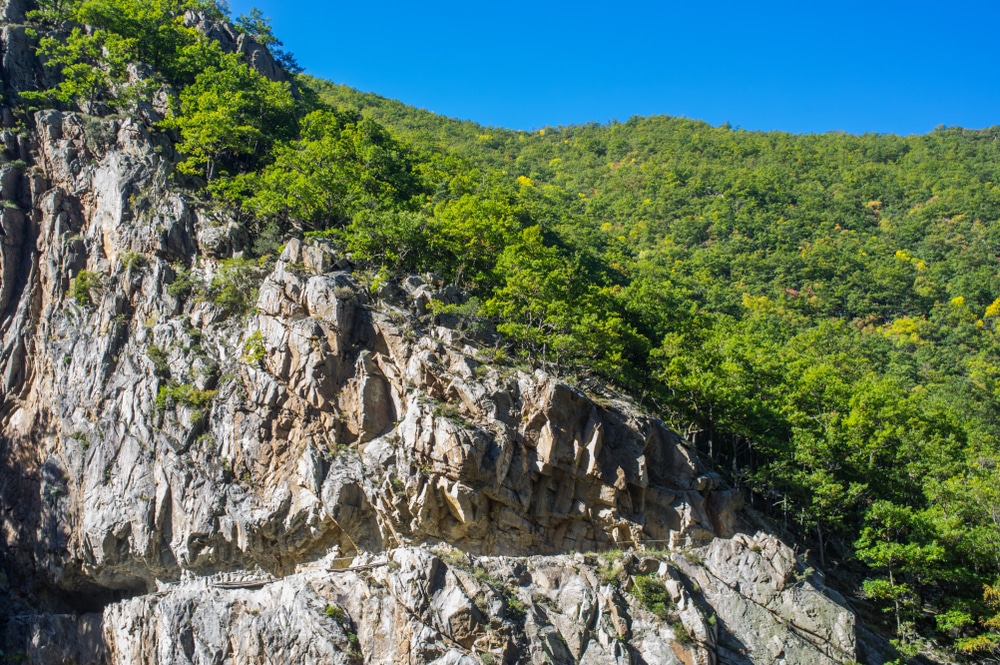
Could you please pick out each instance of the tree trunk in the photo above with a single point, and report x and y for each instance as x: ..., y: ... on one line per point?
x: 822, y: 548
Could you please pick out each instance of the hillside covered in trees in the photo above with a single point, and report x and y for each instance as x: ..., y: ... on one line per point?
x: 819, y: 313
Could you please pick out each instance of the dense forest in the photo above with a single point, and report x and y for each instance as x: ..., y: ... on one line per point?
x: 818, y: 313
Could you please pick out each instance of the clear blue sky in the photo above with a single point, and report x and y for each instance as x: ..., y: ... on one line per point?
x: 803, y: 66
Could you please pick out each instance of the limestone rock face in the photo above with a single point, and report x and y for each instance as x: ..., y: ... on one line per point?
x: 335, y: 476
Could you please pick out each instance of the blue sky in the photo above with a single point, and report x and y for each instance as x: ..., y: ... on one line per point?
x: 805, y: 66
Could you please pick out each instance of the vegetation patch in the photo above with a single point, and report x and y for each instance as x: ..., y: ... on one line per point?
x: 652, y: 595
x: 161, y: 366
x: 234, y: 286
x: 185, y: 393
x: 336, y: 613
x: 82, y: 285
x: 253, y: 349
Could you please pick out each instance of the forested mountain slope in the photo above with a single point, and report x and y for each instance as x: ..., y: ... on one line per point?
x: 820, y: 311
x: 214, y: 362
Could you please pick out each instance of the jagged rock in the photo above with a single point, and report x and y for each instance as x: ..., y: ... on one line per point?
x: 203, y: 482
x: 794, y: 618
x: 255, y: 55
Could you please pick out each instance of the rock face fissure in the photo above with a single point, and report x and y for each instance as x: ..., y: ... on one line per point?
x: 181, y: 484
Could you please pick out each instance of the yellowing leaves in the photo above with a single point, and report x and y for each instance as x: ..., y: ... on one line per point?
x: 993, y: 309
x: 904, y: 329
x: 919, y: 264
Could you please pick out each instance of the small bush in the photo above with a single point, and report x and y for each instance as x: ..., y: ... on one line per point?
x: 132, y: 259
x: 652, y: 595
x: 183, y: 394
x: 235, y: 285
x: 804, y: 575
x: 253, y: 349
x: 336, y: 613
x: 81, y: 286
x: 681, y: 634
x: 97, y: 134
x: 456, y: 559
x: 484, y: 576
x: 159, y: 357
x: 693, y: 557
x: 610, y: 569
x: 267, y: 241
x: 185, y: 283
x: 81, y: 438
x: 448, y: 411
x: 515, y: 608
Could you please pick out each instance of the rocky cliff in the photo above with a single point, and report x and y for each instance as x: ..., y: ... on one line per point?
x: 338, y: 475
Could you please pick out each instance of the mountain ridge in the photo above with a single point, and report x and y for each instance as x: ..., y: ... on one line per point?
x: 182, y: 284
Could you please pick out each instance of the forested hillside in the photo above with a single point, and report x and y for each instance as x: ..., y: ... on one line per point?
x: 818, y: 312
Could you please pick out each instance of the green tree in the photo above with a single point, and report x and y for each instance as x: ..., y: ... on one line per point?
x: 230, y: 117
x: 86, y: 71
x: 900, y: 543
x: 987, y: 642
x: 258, y: 26
x: 341, y: 165
x: 94, y: 62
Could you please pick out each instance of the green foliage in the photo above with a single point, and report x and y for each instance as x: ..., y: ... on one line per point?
x: 681, y: 634
x: 898, y: 542
x: 153, y: 32
x: 610, y: 569
x: 256, y: 25
x: 652, y: 595
x: 267, y: 241
x: 81, y: 59
x: 253, y: 349
x: 235, y: 285
x: 184, y: 284
x: 81, y: 438
x: 82, y: 285
x: 988, y: 641
x: 94, y: 62
x: 230, y: 116
x: 396, y: 239
x: 340, y: 166
x: 185, y: 393
x: 336, y: 613
x: 820, y: 313
x: 516, y: 609
x: 134, y: 260
x: 161, y: 367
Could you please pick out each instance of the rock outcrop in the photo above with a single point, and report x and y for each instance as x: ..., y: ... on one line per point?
x: 333, y: 477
